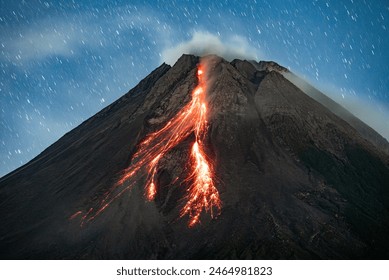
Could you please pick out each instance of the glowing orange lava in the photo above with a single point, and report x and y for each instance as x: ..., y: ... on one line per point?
x: 201, y: 193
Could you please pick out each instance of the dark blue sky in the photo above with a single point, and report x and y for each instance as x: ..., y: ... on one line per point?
x: 63, y: 61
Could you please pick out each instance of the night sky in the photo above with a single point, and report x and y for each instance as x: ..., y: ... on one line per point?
x: 63, y: 61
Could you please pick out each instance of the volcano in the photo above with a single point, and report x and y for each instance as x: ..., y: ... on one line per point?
x: 271, y: 169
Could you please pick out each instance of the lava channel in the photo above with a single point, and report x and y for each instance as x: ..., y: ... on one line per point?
x: 202, y: 194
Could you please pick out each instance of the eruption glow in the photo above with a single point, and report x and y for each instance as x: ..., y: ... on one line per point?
x: 201, y: 193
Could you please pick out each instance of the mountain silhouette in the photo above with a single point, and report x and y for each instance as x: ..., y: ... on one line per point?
x: 299, y: 177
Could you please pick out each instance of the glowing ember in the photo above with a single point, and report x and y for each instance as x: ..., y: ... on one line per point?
x: 202, y: 193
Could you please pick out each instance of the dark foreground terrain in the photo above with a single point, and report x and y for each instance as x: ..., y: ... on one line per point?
x: 298, y: 177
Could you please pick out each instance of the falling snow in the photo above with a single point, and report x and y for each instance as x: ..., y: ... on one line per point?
x: 63, y: 61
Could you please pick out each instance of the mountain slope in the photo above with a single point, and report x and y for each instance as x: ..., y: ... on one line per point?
x: 367, y: 132
x: 295, y: 180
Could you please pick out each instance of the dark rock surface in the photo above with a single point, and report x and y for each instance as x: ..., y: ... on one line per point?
x: 365, y: 131
x: 296, y: 180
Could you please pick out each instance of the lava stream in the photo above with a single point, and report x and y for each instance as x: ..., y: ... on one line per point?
x: 201, y: 193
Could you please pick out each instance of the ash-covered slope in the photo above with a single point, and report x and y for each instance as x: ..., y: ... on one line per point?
x: 295, y: 180
x: 366, y: 131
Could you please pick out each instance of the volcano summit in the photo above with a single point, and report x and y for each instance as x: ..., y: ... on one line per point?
x: 207, y: 159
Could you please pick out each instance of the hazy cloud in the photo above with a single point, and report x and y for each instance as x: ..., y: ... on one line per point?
x: 367, y: 110
x: 203, y: 43
x: 67, y: 38
x: 370, y: 112
x: 47, y: 39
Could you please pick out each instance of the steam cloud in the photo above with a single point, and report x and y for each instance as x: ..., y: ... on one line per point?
x: 203, y: 43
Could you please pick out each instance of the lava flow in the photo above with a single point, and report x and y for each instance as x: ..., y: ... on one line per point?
x: 201, y: 193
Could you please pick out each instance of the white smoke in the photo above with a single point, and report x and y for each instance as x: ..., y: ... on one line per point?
x: 203, y: 43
